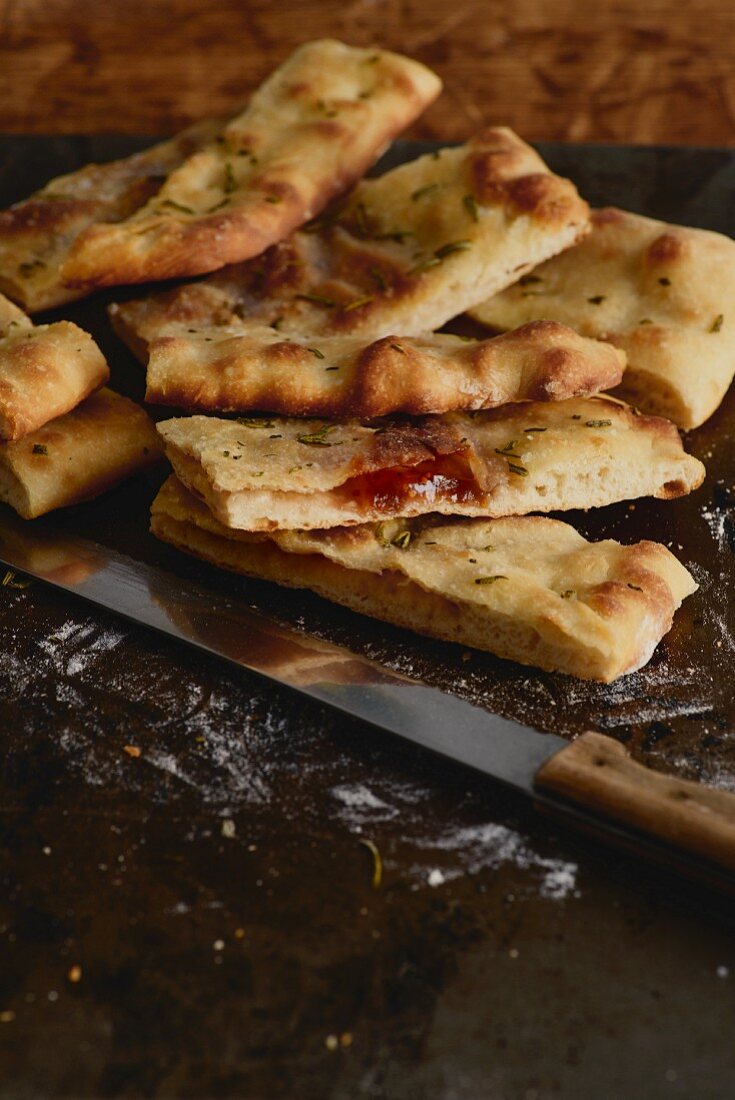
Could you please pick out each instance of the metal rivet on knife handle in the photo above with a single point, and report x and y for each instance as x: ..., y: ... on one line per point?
x: 597, y: 773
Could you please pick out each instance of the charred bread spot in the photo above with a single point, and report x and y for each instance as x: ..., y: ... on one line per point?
x: 666, y: 249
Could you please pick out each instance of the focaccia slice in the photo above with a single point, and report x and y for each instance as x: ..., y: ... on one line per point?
x: 255, y: 367
x: 37, y: 234
x: 663, y: 293
x: 309, y: 132
x: 45, y: 370
x: 259, y: 474
x: 529, y: 589
x: 78, y: 456
x: 404, y: 253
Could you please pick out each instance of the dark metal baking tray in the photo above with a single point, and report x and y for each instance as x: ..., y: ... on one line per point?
x: 497, y: 958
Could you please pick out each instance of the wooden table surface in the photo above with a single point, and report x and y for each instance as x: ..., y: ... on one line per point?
x: 616, y: 70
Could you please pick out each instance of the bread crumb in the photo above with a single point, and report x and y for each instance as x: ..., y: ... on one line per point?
x: 132, y: 750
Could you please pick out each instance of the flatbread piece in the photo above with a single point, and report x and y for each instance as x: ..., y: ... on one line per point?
x: 37, y: 234
x: 404, y: 253
x: 45, y: 370
x: 254, y: 367
x: 256, y: 473
x: 663, y: 293
x: 78, y: 456
x: 529, y: 589
x: 308, y: 133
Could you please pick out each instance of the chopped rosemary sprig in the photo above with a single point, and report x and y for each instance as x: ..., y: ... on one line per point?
x: 218, y: 206
x: 664, y: 281
x: 397, y: 347
x: 596, y: 299
x: 317, y: 438
x: 255, y: 422
x: 379, y: 278
x: 717, y: 323
x: 357, y: 302
x: 274, y: 198
x: 177, y: 206
x: 645, y: 321
x: 10, y: 580
x: 470, y: 204
x: 377, y: 861
x: 509, y: 447
x: 318, y: 299
x: 230, y: 182
x: 421, y: 192
x: 331, y: 368
x: 597, y: 423
x: 424, y: 265
x: 316, y: 353
x: 491, y: 580
x: 40, y: 449
x: 526, y: 280
x: 361, y: 219
x: 521, y: 471
x: 635, y: 587
x: 567, y: 593
x: 535, y: 429
x: 402, y: 541
x: 451, y: 247
x: 397, y: 235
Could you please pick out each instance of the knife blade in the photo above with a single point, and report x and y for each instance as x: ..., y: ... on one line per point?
x: 592, y: 783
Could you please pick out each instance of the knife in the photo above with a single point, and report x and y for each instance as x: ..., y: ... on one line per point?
x: 591, y: 783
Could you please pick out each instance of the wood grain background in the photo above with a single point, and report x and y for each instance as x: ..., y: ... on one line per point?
x: 614, y: 70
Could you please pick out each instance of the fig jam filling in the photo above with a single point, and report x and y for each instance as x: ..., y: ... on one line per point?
x: 446, y: 478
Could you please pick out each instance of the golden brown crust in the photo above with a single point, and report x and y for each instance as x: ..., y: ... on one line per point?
x: 36, y: 234
x: 265, y: 474
x: 45, y: 370
x: 253, y: 367
x: 662, y: 293
x: 77, y: 456
x: 526, y: 588
x: 312, y: 129
x: 404, y: 253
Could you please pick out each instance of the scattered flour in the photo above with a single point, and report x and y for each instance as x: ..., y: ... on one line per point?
x: 465, y: 851
x: 488, y: 847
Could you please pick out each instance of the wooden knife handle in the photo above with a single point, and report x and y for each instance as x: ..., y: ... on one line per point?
x: 597, y: 773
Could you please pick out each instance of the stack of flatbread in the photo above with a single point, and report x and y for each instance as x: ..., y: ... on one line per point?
x: 64, y: 436
x: 335, y: 439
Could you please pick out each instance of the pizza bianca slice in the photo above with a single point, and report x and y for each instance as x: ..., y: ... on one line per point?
x: 254, y: 367
x: 663, y: 293
x: 262, y: 474
x: 37, y: 234
x: 404, y: 253
x: 526, y: 588
x: 308, y: 133
x: 78, y: 456
x: 45, y: 370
